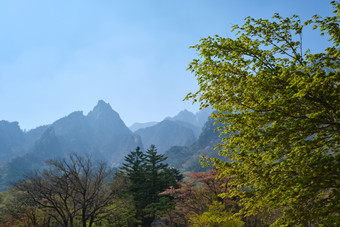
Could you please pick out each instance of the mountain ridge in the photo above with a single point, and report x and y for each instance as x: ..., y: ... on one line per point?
x: 101, y: 133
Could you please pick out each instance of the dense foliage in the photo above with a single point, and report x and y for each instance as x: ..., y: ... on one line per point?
x: 280, y: 108
x: 149, y: 176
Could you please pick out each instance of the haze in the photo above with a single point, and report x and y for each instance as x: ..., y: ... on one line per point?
x: 57, y: 57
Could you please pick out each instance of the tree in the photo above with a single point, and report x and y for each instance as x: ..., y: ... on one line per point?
x: 194, y: 196
x: 280, y: 108
x: 18, y: 209
x: 134, y: 168
x: 149, y: 176
x: 71, y: 188
x: 217, y: 215
x: 122, y: 210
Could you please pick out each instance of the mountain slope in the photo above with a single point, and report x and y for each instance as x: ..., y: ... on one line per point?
x: 135, y: 126
x: 187, y: 158
x: 166, y: 134
x: 101, y: 133
x: 11, y: 139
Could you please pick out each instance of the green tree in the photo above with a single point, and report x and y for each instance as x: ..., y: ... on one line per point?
x: 280, y: 108
x: 156, y: 173
x: 18, y: 209
x: 134, y: 167
x: 149, y: 176
x: 216, y: 216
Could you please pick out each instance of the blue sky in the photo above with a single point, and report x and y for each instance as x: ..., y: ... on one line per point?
x: 58, y: 56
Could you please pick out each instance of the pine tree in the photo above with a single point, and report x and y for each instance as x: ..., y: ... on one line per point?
x: 135, y: 167
x: 149, y: 176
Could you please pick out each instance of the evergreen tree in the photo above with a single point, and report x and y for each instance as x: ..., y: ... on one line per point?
x: 155, y: 172
x: 134, y: 167
x: 149, y: 176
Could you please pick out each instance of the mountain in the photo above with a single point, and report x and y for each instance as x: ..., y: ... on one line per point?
x: 194, y: 121
x: 135, y: 126
x: 101, y: 133
x: 185, y: 116
x: 186, y: 158
x: 198, y: 119
x: 180, y: 130
x: 20, y: 166
x: 11, y: 139
x: 191, y: 120
x: 166, y: 134
x: 14, y: 142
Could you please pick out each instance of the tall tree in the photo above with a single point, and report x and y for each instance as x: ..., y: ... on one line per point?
x: 280, y: 107
x: 149, y: 176
x: 155, y: 172
x: 134, y: 167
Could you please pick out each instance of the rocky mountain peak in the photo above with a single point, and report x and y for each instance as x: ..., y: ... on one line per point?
x: 103, y: 109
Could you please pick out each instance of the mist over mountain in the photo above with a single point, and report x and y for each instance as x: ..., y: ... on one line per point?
x: 191, y: 120
x: 11, y: 137
x: 186, y: 158
x: 194, y: 121
x: 101, y: 134
x: 198, y: 119
x: 180, y: 130
x: 15, y: 142
x: 135, y: 126
x: 166, y: 134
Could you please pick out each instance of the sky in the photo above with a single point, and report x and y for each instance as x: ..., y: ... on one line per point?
x: 60, y: 56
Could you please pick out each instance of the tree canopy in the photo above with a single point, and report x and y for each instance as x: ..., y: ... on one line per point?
x: 280, y: 110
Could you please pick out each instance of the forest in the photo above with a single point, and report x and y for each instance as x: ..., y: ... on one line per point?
x: 78, y: 191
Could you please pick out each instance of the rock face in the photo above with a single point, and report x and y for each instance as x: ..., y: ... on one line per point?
x: 101, y: 134
x: 14, y: 142
x: 11, y: 140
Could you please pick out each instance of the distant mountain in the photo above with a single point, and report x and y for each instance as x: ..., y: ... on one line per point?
x: 34, y: 134
x: 187, y: 158
x: 101, y: 133
x: 167, y: 134
x: 194, y: 121
x: 11, y: 140
x: 198, y: 119
x: 134, y: 127
x: 20, y: 166
x: 14, y: 142
x: 180, y: 130
x: 185, y: 116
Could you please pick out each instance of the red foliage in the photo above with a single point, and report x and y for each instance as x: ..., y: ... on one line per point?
x: 198, y: 191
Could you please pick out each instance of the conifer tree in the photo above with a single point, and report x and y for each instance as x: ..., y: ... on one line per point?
x: 149, y: 176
